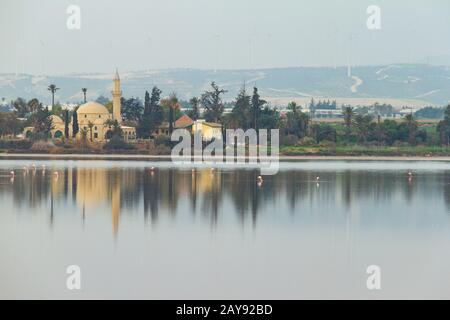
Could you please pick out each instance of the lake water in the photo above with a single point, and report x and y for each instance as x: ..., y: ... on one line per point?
x: 179, y: 233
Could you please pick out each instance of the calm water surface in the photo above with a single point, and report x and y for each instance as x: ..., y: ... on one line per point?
x: 180, y: 233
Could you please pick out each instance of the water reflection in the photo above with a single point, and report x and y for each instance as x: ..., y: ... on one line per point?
x: 308, y: 232
x: 211, y: 193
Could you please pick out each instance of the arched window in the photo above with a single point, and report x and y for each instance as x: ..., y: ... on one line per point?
x: 58, y: 134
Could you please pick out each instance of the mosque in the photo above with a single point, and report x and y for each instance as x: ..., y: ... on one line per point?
x: 93, y: 117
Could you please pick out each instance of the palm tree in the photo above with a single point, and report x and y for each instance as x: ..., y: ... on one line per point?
x: 52, y: 88
x: 90, y: 126
x: 84, y: 93
x: 172, y: 104
x: 348, y: 119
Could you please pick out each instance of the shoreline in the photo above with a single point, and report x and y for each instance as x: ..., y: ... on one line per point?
x: 130, y: 157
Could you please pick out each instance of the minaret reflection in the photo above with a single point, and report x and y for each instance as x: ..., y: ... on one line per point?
x: 115, y: 201
x: 204, y: 192
x: 96, y: 186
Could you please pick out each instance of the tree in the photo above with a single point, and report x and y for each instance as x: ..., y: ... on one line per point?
x: 153, y: 114
x: 75, y: 126
x: 379, y: 132
x: 412, y: 128
x: 52, y: 88
x: 443, y: 128
x: 147, y: 106
x: 268, y: 118
x: 312, y: 108
x: 362, y: 126
x: 114, y: 126
x: 348, y: 119
x: 84, y: 93
x: 116, y: 140
x: 34, y: 105
x: 323, y: 131
x: 42, y: 124
x: 240, y: 117
x: 102, y: 100
x: 296, y: 122
x: 293, y: 107
x: 172, y: 104
x: 21, y: 107
x: 194, y: 112
x: 257, y: 105
x: 212, y: 102
x: 9, y: 124
x: 132, y: 109
x: 66, y: 124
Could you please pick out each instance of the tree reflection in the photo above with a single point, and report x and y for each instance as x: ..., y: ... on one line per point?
x: 213, y: 195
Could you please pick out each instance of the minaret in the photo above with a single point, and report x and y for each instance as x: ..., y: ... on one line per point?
x: 117, y: 95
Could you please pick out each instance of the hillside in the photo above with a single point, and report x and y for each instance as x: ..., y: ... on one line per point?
x: 398, y: 84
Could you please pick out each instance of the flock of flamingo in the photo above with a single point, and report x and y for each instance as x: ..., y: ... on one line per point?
x: 33, y: 168
x: 259, y: 179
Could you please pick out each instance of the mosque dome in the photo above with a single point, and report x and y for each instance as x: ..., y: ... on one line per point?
x: 92, y: 108
x: 56, y: 120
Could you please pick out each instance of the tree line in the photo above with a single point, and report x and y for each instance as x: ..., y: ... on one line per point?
x: 248, y: 111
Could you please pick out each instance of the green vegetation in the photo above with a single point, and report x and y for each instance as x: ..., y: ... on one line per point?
x: 211, y: 100
x: 153, y: 114
x: 116, y: 141
x: 42, y: 124
x: 360, y: 133
x: 358, y: 150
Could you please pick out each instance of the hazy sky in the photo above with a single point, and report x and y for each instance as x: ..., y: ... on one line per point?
x: 224, y: 34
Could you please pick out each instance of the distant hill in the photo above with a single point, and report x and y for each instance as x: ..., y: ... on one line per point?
x: 413, y: 84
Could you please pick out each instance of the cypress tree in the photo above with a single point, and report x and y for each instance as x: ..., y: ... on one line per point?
x: 66, y: 124
x: 75, y: 127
